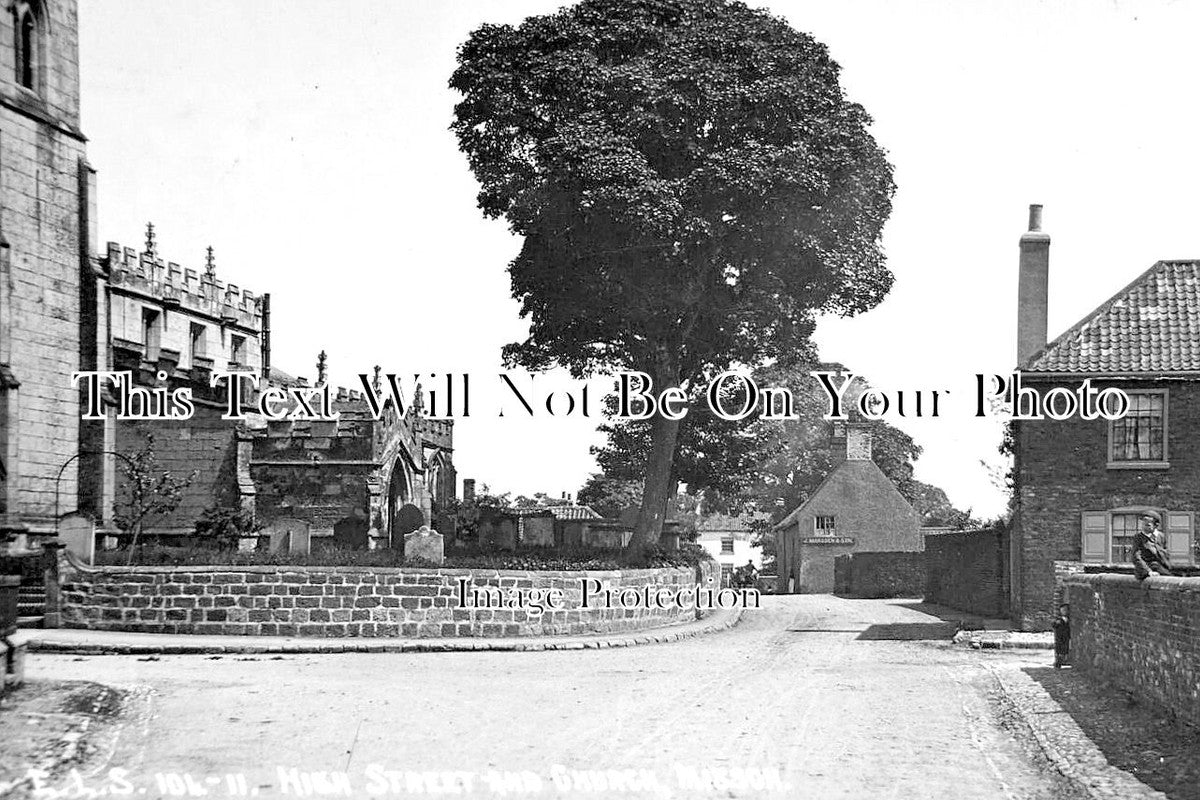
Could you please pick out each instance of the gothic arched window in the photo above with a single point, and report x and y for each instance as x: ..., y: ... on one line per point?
x: 25, y: 29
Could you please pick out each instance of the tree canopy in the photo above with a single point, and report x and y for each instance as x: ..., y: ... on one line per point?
x: 767, y: 465
x: 691, y: 185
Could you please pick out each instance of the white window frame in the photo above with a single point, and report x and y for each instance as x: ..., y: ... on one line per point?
x: 1165, y: 461
x: 727, y: 551
x: 828, y: 530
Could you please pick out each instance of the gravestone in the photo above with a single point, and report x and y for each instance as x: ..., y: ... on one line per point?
x: 351, y: 533
x: 289, y: 536
x: 498, y: 533
x: 425, y: 544
x: 78, y: 534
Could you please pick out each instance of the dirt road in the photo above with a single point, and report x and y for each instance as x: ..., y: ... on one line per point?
x: 810, y: 696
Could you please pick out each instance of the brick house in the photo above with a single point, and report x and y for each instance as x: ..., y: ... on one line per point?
x: 855, y: 509
x: 1080, y: 485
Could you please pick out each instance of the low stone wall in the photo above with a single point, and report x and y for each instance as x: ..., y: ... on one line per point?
x: 358, y: 601
x: 968, y: 570
x: 879, y: 574
x: 1140, y: 635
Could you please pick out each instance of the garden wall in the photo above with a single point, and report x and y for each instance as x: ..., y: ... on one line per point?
x: 1140, y: 635
x: 358, y: 601
x: 968, y: 570
x: 879, y: 574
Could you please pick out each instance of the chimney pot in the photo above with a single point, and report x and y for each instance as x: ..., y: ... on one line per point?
x: 1035, y: 217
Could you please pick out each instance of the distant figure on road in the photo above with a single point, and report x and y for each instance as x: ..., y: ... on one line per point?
x: 745, y: 577
x: 1062, y: 636
x: 1149, y: 551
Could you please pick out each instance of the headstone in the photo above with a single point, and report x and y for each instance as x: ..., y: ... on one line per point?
x: 351, y: 534
x: 78, y: 534
x: 603, y: 537
x: 571, y: 532
x: 424, y: 544
x: 289, y: 536
x: 501, y: 534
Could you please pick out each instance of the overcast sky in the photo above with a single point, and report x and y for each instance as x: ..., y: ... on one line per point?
x: 308, y: 143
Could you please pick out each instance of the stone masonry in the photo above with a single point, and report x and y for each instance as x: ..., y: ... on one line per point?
x: 350, y: 601
x: 44, y: 220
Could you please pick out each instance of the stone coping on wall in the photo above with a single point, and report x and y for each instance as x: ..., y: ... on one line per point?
x: 357, y: 601
x: 1163, y: 583
x: 478, y: 572
x: 308, y: 568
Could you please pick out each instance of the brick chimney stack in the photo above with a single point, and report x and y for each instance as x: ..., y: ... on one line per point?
x: 1033, y: 288
x: 858, y: 443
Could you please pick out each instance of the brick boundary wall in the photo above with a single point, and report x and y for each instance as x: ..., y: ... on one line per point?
x: 968, y: 571
x: 354, y: 601
x: 883, y: 574
x: 1140, y: 635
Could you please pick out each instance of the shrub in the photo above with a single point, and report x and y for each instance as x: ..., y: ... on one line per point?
x: 224, y: 526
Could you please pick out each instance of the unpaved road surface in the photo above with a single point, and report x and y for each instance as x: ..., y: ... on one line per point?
x: 809, y: 697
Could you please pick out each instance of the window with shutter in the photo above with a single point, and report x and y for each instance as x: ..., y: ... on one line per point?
x: 1180, y: 529
x: 1107, y: 536
x: 1095, y: 537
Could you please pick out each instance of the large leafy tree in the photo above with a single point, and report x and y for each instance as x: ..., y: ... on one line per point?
x: 691, y: 184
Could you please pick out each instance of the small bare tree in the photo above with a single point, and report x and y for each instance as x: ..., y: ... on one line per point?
x: 147, y: 492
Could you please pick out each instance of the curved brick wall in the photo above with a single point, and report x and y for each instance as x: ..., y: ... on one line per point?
x: 353, y: 601
x: 1141, y: 635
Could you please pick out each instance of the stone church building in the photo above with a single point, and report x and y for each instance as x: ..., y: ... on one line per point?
x: 68, y: 306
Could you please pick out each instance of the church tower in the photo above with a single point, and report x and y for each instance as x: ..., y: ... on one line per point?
x: 47, y: 292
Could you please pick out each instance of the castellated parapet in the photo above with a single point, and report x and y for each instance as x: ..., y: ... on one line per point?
x: 188, y: 289
x: 185, y: 321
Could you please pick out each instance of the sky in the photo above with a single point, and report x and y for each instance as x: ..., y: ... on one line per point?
x: 309, y: 144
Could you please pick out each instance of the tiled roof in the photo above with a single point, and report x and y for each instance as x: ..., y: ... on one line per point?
x: 728, y: 523
x: 1152, y: 325
x: 574, y: 512
x: 559, y: 512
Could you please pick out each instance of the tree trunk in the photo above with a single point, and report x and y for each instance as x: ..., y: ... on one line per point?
x: 137, y: 532
x: 656, y: 491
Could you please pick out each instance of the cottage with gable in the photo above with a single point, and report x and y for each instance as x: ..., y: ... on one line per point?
x: 856, y: 509
x: 1081, y: 485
